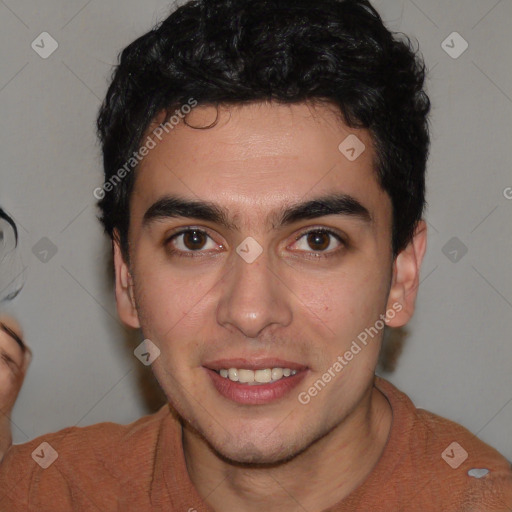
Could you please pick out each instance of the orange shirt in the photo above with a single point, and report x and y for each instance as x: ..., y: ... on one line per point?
x: 428, y: 464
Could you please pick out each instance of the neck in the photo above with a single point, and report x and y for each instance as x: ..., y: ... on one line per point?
x: 319, y: 477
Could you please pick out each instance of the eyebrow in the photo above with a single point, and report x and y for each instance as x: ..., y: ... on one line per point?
x: 332, y: 204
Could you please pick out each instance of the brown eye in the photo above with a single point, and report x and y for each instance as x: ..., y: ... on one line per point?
x: 190, y: 241
x: 194, y: 240
x: 318, y: 240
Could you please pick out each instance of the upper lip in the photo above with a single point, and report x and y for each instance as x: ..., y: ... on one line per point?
x: 253, y: 364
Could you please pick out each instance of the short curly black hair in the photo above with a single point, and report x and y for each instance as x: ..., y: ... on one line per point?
x: 223, y: 52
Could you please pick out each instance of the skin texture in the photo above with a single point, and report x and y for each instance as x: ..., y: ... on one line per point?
x: 14, y: 362
x: 288, y: 304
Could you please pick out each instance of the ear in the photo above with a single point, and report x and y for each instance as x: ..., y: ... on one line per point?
x: 406, y: 278
x: 124, y: 288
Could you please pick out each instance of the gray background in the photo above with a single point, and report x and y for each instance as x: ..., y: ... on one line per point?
x: 456, y: 360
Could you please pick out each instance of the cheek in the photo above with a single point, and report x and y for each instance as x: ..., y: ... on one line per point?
x: 171, y: 304
x: 346, y: 302
x: 169, y: 308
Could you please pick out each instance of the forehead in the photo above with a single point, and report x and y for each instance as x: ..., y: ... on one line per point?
x: 258, y: 157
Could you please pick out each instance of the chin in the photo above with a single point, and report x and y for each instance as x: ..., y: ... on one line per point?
x: 260, y: 454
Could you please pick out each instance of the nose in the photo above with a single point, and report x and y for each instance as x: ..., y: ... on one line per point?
x: 253, y: 297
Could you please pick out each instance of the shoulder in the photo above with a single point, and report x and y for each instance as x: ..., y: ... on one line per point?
x: 454, y: 465
x: 101, y: 439
x: 83, y: 458
x: 477, y: 475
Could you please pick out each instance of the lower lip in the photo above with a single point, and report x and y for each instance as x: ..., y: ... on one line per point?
x: 257, y: 394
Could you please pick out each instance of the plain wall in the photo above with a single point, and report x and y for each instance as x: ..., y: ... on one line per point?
x: 456, y: 359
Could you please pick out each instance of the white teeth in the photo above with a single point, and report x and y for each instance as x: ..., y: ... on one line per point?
x: 245, y: 376
x: 254, y: 377
x: 277, y: 373
x: 263, y: 375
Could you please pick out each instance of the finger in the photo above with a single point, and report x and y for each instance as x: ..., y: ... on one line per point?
x: 11, y: 323
x: 14, y: 335
x: 27, y: 359
x: 14, y: 350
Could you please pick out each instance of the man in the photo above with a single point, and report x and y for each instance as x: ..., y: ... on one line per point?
x: 264, y: 191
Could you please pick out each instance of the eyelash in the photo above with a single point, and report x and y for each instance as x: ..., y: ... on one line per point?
x: 315, y: 256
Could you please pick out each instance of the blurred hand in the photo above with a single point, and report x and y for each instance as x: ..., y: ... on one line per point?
x: 15, y: 358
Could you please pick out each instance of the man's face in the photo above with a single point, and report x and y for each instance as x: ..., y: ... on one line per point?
x: 303, y: 300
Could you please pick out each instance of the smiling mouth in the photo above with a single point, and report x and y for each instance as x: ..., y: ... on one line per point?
x: 255, y: 380
x: 256, y: 377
